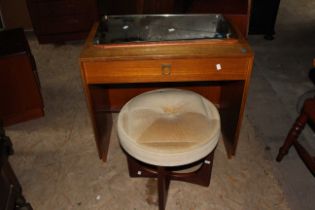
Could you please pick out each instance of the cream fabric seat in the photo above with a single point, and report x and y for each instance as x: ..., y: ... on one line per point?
x: 169, y: 127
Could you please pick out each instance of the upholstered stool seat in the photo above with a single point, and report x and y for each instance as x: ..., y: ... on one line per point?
x: 169, y: 128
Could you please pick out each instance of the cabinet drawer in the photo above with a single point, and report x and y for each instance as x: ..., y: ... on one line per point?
x: 166, y: 70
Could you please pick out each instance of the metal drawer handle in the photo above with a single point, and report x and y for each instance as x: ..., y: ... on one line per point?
x: 218, y: 67
x: 166, y: 69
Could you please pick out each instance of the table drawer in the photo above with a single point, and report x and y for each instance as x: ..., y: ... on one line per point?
x: 164, y: 70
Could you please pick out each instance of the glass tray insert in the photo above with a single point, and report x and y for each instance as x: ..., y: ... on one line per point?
x: 156, y: 28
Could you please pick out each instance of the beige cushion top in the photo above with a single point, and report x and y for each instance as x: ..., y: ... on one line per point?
x: 169, y: 127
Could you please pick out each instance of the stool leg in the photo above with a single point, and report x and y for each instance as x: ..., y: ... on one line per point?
x: 138, y: 169
x: 163, y: 184
x: 201, y: 177
x: 293, y: 135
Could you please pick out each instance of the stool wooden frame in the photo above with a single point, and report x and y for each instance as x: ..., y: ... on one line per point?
x: 201, y: 176
x: 307, y: 116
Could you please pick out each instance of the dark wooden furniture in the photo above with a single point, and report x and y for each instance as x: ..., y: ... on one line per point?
x: 307, y: 116
x: 237, y: 11
x: 62, y: 20
x: 11, y: 197
x: 112, y: 76
x: 14, y: 14
x: 200, y: 176
x: 20, y: 95
x: 263, y: 17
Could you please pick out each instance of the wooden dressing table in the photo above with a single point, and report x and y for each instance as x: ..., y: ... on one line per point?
x: 218, y: 69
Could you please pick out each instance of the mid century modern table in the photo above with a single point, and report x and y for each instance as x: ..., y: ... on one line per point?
x: 217, y: 66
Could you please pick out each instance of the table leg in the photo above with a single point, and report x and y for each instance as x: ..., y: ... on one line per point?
x: 231, y: 112
x: 101, y: 118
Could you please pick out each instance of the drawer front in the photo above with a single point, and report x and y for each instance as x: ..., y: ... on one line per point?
x: 165, y: 70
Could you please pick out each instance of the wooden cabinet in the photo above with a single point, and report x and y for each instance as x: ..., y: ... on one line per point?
x: 237, y: 11
x: 263, y: 17
x: 125, y: 7
x: 14, y: 14
x: 19, y: 84
x: 62, y: 20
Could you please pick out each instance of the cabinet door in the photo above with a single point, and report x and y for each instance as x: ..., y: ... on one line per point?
x: 62, y: 20
x: 55, y: 17
x: 19, y: 90
x: 123, y: 7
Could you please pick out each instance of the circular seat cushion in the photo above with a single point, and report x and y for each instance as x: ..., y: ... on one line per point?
x: 168, y: 127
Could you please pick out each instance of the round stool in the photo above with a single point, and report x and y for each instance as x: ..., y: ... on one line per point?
x: 166, y: 133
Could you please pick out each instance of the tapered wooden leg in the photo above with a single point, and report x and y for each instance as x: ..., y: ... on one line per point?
x: 163, y: 184
x: 293, y: 135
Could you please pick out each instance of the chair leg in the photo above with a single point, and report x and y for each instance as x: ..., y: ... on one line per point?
x: 294, y: 133
x: 163, y: 185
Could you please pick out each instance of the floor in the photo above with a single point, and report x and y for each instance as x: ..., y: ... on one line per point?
x: 61, y: 171
x: 279, y: 79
